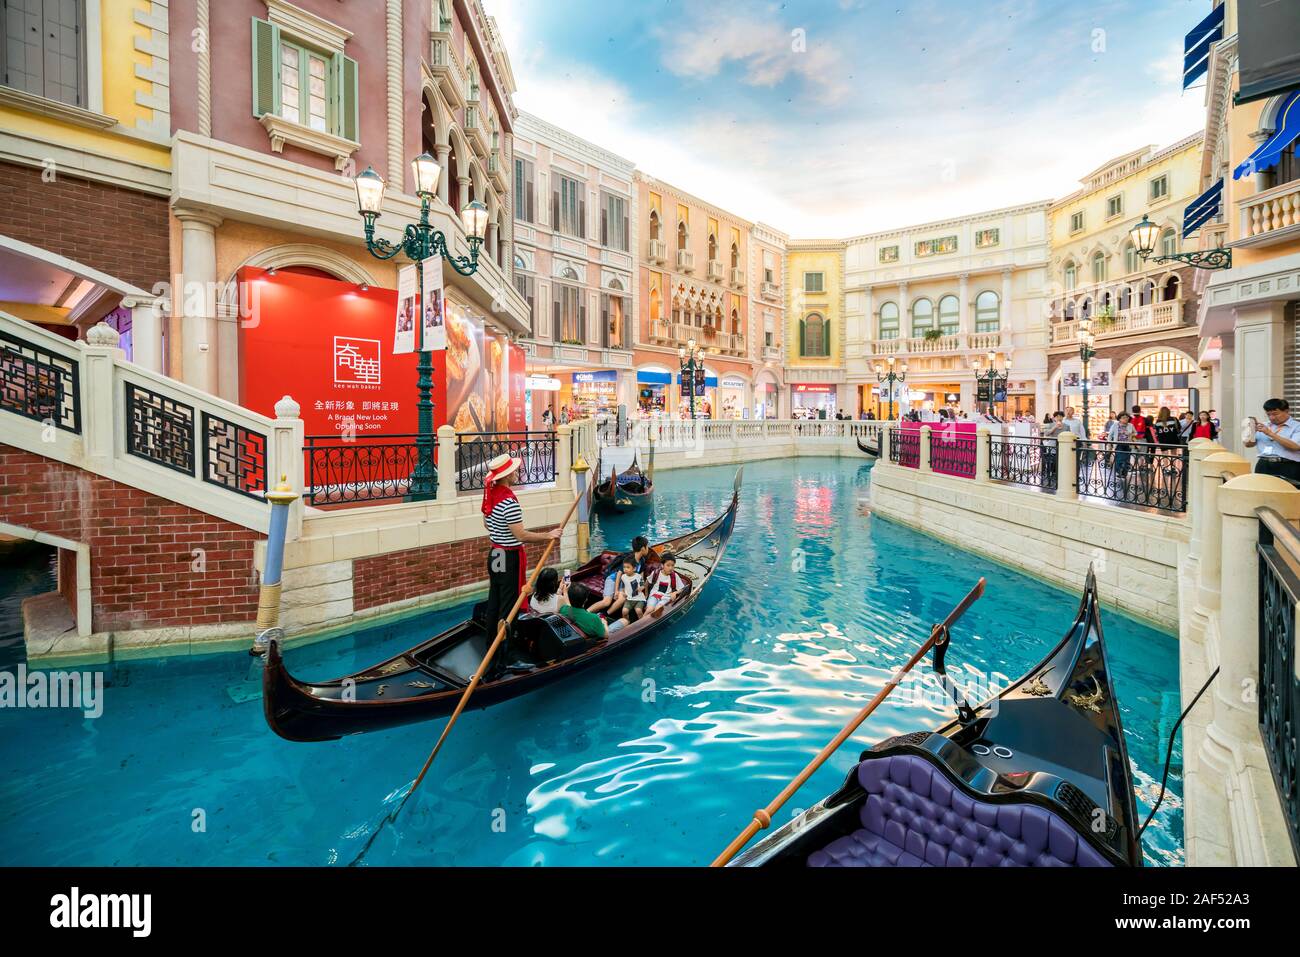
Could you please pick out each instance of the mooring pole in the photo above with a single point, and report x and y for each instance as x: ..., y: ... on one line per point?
x: 268, y: 600
x: 580, y: 470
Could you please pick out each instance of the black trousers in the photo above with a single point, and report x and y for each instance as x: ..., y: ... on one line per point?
x: 1283, y: 468
x: 503, y: 589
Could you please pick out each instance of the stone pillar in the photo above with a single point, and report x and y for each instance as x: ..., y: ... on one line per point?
x: 1004, y: 307
x: 982, y: 450
x: 1235, y: 702
x: 963, y: 309
x: 870, y: 327
x: 463, y: 184
x: 99, y: 352
x: 441, y: 152
x: 1213, y: 466
x: 884, y: 443
x: 146, y: 333
x: 1067, y: 466
x: 447, y: 463
x: 1198, y: 451
x: 563, y: 458
x: 904, y: 312
x: 396, y: 91
x: 1260, y: 334
x: 923, y: 463
x: 195, y: 302
x: 1228, y: 408
x: 285, y: 460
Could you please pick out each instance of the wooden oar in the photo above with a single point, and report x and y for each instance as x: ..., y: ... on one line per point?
x: 478, y: 676
x: 763, y: 817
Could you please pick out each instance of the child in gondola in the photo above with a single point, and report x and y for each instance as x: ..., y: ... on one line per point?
x: 629, y: 602
x: 664, y: 587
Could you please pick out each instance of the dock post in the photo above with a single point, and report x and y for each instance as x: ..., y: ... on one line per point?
x: 923, y: 451
x: 268, y: 600
x: 580, y: 470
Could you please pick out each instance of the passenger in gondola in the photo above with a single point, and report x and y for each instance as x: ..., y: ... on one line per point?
x: 643, y: 556
x: 579, y: 611
x: 664, y: 587
x: 631, y: 592
x: 549, y: 593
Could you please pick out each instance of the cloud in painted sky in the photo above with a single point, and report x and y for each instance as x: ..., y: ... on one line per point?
x: 899, y: 112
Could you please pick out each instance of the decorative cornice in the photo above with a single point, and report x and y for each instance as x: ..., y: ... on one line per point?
x: 536, y: 130
x: 283, y: 131
x: 22, y: 100
x: 1034, y: 207
x: 306, y: 25
x: 659, y: 186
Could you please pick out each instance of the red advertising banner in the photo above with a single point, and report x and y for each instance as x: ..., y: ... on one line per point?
x: 518, y: 390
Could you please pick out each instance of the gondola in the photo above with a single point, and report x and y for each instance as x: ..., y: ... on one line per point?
x: 1038, y: 775
x: 428, y: 680
x: 873, y: 452
x: 624, y: 491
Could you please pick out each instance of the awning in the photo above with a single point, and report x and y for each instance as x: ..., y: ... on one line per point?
x: 653, y: 377
x: 1197, y: 45
x: 1203, y: 209
x: 1267, y: 153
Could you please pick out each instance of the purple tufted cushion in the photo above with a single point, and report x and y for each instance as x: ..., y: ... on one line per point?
x: 915, y: 817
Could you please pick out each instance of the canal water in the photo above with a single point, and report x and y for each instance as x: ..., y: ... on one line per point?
x: 658, y: 758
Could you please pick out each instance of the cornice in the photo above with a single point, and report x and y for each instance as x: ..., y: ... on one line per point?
x: 659, y: 186
x: 535, y: 129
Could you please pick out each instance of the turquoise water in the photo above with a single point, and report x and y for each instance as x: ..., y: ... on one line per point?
x: 656, y: 758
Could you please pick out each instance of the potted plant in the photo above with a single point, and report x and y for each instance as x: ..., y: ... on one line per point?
x: 933, y: 335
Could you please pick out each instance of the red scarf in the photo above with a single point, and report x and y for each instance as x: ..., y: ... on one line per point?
x: 493, y: 495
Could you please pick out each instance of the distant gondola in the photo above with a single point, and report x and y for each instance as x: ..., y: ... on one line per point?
x: 427, y: 681
x: 873, y: 452
x: 624, y: 491
x: 1038, y: 775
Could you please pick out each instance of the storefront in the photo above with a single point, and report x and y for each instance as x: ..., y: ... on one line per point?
x: 540, y: 394
x: 595, y: 393
x: 706, y: 395
x: 811, y: 400
x: 652, y: 384
x: 765, y: 400
x: 1162, y: 380
x: 731, y: 398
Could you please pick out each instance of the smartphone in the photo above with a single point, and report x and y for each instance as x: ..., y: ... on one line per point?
x: 567, y: 576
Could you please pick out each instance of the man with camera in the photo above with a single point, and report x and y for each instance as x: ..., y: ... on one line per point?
x: 1278, y: 442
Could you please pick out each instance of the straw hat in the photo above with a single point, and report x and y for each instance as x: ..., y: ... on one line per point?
x: 501, y: 466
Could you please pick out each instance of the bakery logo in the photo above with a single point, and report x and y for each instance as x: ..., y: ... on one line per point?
x: 356, y: 361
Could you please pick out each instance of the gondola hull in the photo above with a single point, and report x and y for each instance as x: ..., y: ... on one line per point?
x: 874, y: 453
x: 429, y: 680
x: 1039, y: 775
x: 628, y: 491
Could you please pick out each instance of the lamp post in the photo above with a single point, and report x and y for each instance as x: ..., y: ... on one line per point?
x: 891, y: 377
x: 1086, y: 352
x: 1145, y: 234
x: 690, y: 358
x: 991, y: 377
x: 421, y: 241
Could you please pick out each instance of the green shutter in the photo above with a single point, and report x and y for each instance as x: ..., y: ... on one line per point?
x: 349, y: 126
x: 802, y: 325
x: 266, y: 67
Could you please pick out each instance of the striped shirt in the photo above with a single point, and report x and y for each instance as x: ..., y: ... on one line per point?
x: 498, y: 521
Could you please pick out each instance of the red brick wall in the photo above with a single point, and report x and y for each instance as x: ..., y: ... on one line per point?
x: 118, y: 231
x: 416, y: 572
x: 141, y: 546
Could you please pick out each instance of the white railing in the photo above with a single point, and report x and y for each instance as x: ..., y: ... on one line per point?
x: 685, y: 261
x: 957, y: 342
x: 1270, y: 212
x: 718, y: 433
x: 445, y: 62
x: 1156, y: 316
x: 714, y: 271
x: 658, y: 251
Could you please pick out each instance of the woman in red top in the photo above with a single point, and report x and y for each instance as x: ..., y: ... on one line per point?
x: 1204, y: 427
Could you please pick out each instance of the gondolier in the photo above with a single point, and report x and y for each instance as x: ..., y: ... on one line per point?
x: 506, y: 561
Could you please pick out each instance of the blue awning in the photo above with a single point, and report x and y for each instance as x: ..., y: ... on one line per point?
x: 1196, y: 47
x: 1203, y: 209
x: 654, y: 378
x: 1267, y: 153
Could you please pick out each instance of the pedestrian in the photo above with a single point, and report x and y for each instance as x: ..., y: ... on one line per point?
x: 1278, y: 442
x: 1205, y: 427
x: 1186, y: 422
x: 1123, y: 436
x: 1165, y: 429
x: 548, y: 419
x: 1214, y: 417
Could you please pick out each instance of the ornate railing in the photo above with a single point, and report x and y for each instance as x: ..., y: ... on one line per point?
x: 952, y: 454
x: 159, y: 428
x: 905, y: 447
x: 609, y: 433
x: 39, y: 384
x: 475, y: 449
x: 1279, y: 687
x: 234, y: 456
x: 1023, y: 461
x: 372, y: 469
x: 1134, y: 473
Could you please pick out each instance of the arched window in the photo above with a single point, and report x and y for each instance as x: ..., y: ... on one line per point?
x: 453, y: 173
x: 1125, y: 299
x: 1168, y: 242
x: 1132, y: 263
x: 519, y: 262
x: 654, y: 224
x: 656, y: 304
x: 568, y: 272
x: 735, y: 322
x: 681, y: 235
x: 713, y: 247
x: 889, y: 320
x: 1171, y: 289
x: 814, y: 336
x: 949, y: 315
x: 1098, y: 266
x: 1071, y: 276
x: 1069, y: 310
x: 922, y: 317
x: 988, y: 312
x: 615, y: 284
x: 1147, y: 293
x: 1085, y: 311
x: 735, y: 256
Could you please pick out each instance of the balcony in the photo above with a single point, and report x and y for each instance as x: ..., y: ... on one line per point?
x: 958, y: 343
x: 685, y: 260
x: 771, y: 353
x: 446, y: 69
x: 475, y: 127
x: 1155, y: 317
x: 497, y: 171
x: 738, y: 278
x: 770, y: 291
x: 1272, y: 216
x: 658, y: 252
x: 714, y: 271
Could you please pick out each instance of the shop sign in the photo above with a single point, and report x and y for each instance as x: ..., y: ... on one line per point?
x: 733, y: 382
x: 813, y: 387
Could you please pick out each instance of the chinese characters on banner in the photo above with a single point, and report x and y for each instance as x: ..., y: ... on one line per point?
x: 432, y: 307
x: 404, y: 334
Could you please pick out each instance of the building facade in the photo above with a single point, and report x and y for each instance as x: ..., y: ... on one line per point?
x: 945, y: 298
x: 694, y: 287
x: 767, y: 319
x: 1142, y: 312
x: 814, y: 328
x: 575, y: 241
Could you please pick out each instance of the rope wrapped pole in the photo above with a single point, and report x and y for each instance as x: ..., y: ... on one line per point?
x: 268, y: 599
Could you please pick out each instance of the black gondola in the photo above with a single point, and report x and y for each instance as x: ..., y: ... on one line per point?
x: 624, y: 491
x: 1038, y: 775
x: 873, y: 452
x: 428, y: 680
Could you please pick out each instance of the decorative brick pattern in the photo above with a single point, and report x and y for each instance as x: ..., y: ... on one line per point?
x: 142, y: 547
x: 416, y: 572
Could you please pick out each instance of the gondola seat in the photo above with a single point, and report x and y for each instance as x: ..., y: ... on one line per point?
x: 915, y: 815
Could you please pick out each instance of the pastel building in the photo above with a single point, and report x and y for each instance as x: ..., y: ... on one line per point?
x: 814, y: 327
x: 575, y: 225
x: 767, y: 252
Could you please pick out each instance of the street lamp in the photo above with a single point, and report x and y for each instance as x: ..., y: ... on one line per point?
x: 1086, y: 352
x: 689, y: 359
x: 421, y: 241
x: 992, y: 377
x: 891, y: 377
x: 1145, y: 234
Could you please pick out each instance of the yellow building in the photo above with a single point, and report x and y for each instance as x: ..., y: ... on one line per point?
x: 814, y: 328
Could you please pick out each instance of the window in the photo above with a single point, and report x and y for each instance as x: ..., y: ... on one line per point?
x: 614, y: 225
x: 654, y: 225
x: 1115, y: 206
x: 1076, y: 222
x: 1099, y: 267
x: 813, y: 336
x: 988, y: 312
x: 735, y: 256
x: 936, y: 247
x: 889, y: 254
x: 889, y: 320
x: 1288, y: 167
x: 1168, y: 243
x: 613, y: 322
x: 922, y: 317
x: 1159, y: 187
x: 304, y: 85
x: 527, y: 287
x: 767, y: 275
x: 681, y: 235
x: 1125, y: 298
x: 949, y: 314
x: 986, y: 238
x: 43, y: 53
x: 525, y: 212
x: 814, y: 282
x: 1132, y: 262
x: 1071, y: 275
x: 568, y: 207
x: 569, y: 315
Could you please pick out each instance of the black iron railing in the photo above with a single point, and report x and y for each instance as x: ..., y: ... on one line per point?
x: 159, y: 428
x: 475, y: 449
x: 1134, y: 473
x: 38, y: 384
x: 1027, y: 460
x: 952, y: 454
x: 370, y: 469
x: 1279, y: 688
x: 234, y: 457
x: 905, y: 447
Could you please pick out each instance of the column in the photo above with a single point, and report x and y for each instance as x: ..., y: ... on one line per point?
x: 924, y: 464
x: 99, y: 353
x: 964, y: 310
x: 286, y: 460
x: 563, y: 458
x: 441, y: 152
x: 1229, y: 409
x: 393, y: 73
x: 1067, y: 467
x: 146, y: 333
x: 194, y: 303
x: 463, y: 182
x: 1260, y: 334
x: 982, y: 433
x: 1005, y: 305
x: 1207, y: 591
x: 1198, y: 451
x: 446, y: 464
x: 904, y: 312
